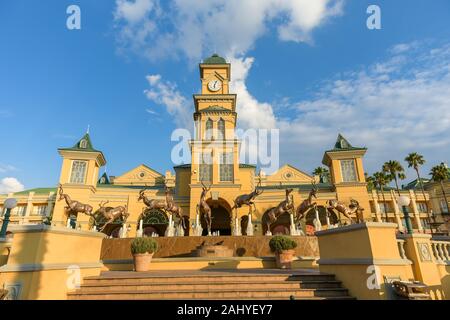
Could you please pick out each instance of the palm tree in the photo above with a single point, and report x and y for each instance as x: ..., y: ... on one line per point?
x: 322, y: 173
x: 395, y: 170
x: 416, y: 160
x: 371, y: 183
x: 382, y: 180
x: 440, y: 174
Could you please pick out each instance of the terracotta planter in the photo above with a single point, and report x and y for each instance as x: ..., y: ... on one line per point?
x: 284, y: 259
x: 142, y: 261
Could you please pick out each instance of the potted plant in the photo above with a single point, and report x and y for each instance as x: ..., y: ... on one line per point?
x: 283, y: 247
x: 143, y: 250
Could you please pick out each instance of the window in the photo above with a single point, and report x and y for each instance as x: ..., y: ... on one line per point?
x: 384, y: 207
x: 206, y: 167
x: 209, y: 129
x: 83, y: 144
x: 221, y: 129
x: 78, y: 172
x: 444, y: 208
x: 422, y: 207
x: 40, y: 210
x: 21, y: 210
x: 226, y: 167
x: 348, y: 170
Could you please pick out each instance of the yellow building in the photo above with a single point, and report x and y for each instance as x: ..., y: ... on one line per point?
x: 215, y: 162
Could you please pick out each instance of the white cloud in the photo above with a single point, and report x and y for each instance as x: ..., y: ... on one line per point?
x: 10, y: 185
x: 166, y: 94
x: 193, y: 27
x: 6, y: 168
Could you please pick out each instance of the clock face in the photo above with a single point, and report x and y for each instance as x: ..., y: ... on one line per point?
x: 215, y: 85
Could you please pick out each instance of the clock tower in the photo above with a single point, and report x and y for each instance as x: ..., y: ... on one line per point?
x: 215, y: 150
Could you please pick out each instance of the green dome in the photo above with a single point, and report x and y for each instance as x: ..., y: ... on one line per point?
x: 215, y: 59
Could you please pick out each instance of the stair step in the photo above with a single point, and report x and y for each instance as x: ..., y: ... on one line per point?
x: 136, y: 285
x: 209, y: 294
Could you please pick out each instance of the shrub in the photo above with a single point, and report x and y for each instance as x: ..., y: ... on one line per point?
x: 279, y: 243
x: 143, y: 245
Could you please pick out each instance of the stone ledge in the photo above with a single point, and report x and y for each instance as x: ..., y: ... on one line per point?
x: 357, y: 226
x: 201, y: 259
x: 53, y: 229
x: 365, y: 261
x: 28, y: 267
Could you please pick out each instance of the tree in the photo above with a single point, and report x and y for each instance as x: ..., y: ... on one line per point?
x: 440, y: 174
x: 382, y: 180
x: 322, y: 173
x: 395, y: 171
x: 416, y: 160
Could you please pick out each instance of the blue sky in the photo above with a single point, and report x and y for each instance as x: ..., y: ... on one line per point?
x: 311, y: 70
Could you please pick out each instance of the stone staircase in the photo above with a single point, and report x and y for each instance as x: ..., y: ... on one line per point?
x: 238, y: 284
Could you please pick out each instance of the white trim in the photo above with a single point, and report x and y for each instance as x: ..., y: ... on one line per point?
x: 30, y: 267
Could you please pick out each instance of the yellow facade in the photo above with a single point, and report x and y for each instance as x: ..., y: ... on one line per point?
x: 215, y: 120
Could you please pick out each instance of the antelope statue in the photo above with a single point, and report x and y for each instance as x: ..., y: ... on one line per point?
x: 248, y: 199
x: 204, y: 208
x: 283, y: 207
x: 306, y: 204
x: 173, y: 208
x: 111, y: 214
x: 151, y: 203
x: 353, y: 208
x: 74, y: 206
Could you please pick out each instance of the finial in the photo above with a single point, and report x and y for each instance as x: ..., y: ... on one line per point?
x: 88, y: 127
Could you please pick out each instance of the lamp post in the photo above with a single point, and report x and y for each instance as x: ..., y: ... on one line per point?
x: 404, y: 201
x: 9, y: 204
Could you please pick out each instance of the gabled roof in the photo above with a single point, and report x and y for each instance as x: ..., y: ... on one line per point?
x: 342, y: 144
x: 104, y: 179
x: 241, y: 165
x: 84, y: 144
x: 415, y: 184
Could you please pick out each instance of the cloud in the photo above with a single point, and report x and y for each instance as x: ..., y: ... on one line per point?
x: 10, y: 185
x: 192, y: 27
x: 6, y: 168
x: 166, y: 94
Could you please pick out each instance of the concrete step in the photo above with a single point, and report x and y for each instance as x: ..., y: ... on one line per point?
x: 149, y: 278
x: 208, y: 294
x: 138, y: 286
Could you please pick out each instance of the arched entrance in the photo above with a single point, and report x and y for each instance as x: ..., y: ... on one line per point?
x: 323, y: 212
x: 112, y: 229
x: 221, y: 217
x: 154, y: 221
x: 281, y: 226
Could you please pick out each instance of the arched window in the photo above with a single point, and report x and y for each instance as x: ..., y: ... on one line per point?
x: 209, y: 129
x: 83, y: 144
x: 221, y: 129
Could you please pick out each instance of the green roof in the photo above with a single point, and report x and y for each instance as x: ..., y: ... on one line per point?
x: 37, y: 191
x: 214, y: 59
x: 104, y: 179
x: 215, y: 108
x: 415, y: 184
x: 342, y: 144
x: 84, y: 144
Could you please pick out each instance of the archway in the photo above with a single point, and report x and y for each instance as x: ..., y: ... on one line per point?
x: 221, y: 217
x: 281, y: 226
x: 112, y: 229
x: 154, y: 221
x: 323, y: 212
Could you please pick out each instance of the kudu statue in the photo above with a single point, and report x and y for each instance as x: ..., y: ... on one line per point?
x: 74, y: 206
x: 151, y: 203
x: 248, y: 199
x: 111, y: 214
x: 352, y: 209
x: 173, y: 208
x: 284, y: 206
x: 306, y: 204
x: 203, y: 208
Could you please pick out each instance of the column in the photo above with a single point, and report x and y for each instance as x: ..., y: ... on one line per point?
x: 50, y: 204
x: 415, y: 211
x: 29, y: 208
x: 376, y: 205
x: 397, y: 212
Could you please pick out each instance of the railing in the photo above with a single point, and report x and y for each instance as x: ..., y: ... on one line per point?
x: 441, y: 250
x: 401, y: 248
